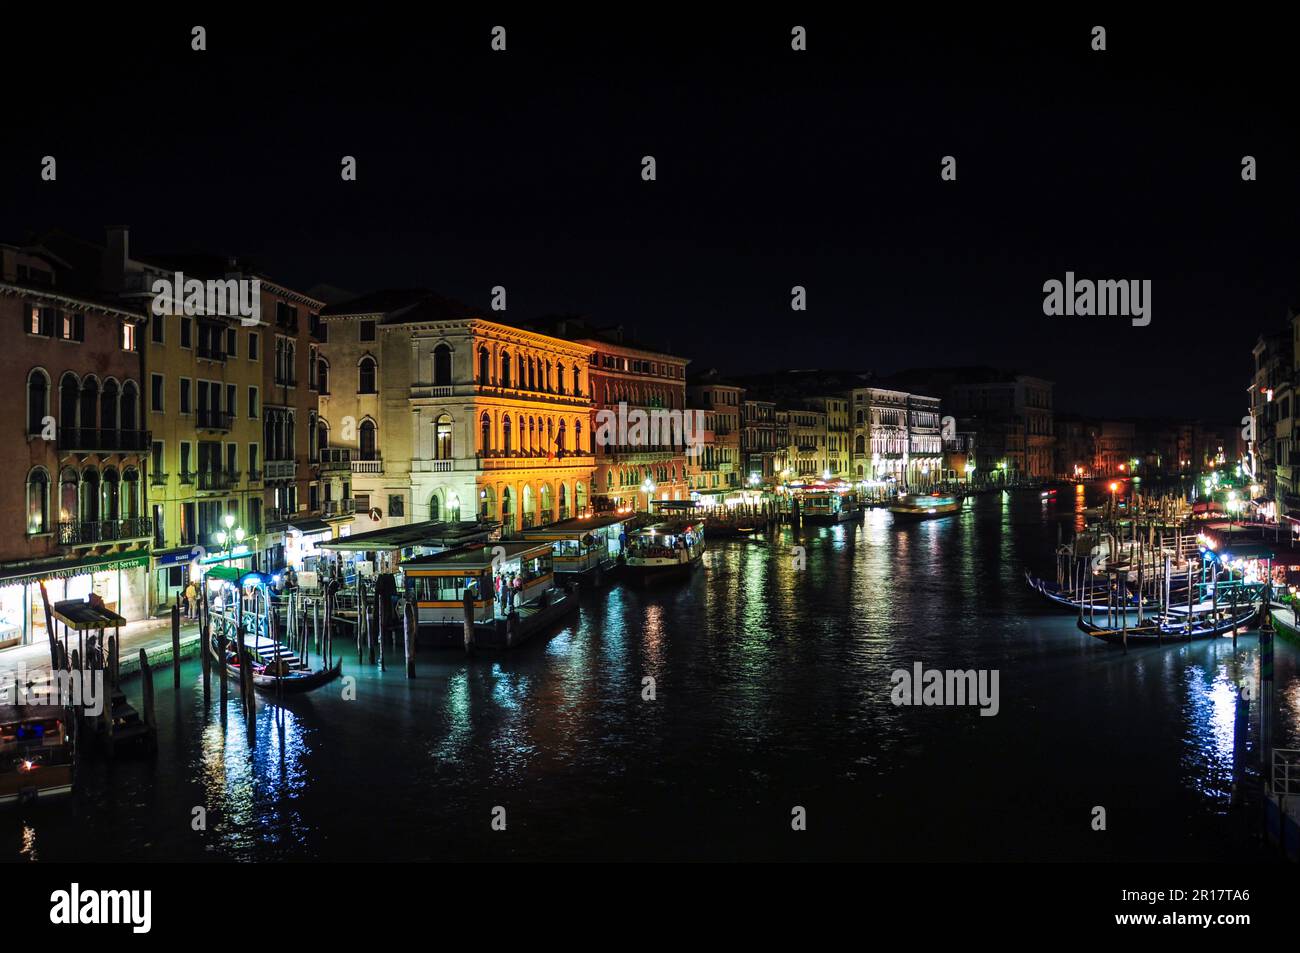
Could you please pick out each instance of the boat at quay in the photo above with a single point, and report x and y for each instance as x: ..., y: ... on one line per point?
x: 662, y: 551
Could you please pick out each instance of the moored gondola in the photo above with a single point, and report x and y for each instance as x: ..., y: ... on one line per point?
x: 1172, y: 629
x: 243, y: 599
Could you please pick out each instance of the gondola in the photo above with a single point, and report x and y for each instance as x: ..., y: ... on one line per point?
x: 276, y: 668
x: 1062, y: 598
x: 297, y: 677
x: 1155, y: 631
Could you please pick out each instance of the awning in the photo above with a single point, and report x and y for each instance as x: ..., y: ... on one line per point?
x: 82, y: 616
x: 309, y: 526
x: 66, y: 568
x: 427, y: 533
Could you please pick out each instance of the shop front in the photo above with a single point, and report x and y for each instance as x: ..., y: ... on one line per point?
x: 120, y: 580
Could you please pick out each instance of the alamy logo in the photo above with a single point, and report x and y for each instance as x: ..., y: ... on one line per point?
x: 654, y: 428
x: 75, y: 906
x: 1083, y: 296
x: 230, y: 297
x: 922, y: 686
x: 63, y: 688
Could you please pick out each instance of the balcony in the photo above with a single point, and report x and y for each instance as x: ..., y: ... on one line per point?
x: 212, y: 480
x: 432, y: 466
x: 214, y: 420
x: 254, y: 476
x: 92, y: 532
x: 210, y: 353
x: 280, y: 469
x: 335, y: 458
x: 157, y: 479
x: 92, y: 440
x: 368, y: 465
x: 187, y: 479
x: 431, y: 390
x: 283, y: 381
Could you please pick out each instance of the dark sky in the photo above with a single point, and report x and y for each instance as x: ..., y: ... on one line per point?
x: 775, y: 168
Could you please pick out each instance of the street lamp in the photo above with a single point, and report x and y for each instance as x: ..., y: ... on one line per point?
x: 232, y: 535
x: 648, y: 488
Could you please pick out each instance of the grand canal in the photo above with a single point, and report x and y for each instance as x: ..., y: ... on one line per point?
x: 772, y: 689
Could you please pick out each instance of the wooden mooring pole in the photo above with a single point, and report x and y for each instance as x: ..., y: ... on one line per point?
x: 408, y: 631
x: 468, y: 604
x: 176, y: 646
x: 150, y: 719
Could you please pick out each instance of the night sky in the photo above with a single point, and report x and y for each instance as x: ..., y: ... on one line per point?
x: 775, y: 168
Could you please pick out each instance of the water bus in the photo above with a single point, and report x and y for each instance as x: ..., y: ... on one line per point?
x: 665, y: 550
x: 492, y: 583
x: 918, y: 506
x: 828, y: 507
x: 585, y: 547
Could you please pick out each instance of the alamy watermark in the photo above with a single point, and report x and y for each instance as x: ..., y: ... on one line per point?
x: 229, y: 297
x: 62, y: 688
x: 933, y: 686
x: 1105, y: 298
x: 656, y: 427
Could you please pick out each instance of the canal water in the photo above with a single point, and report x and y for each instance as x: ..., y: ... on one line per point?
x: 771, y: 692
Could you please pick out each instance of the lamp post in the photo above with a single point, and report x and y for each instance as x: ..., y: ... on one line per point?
x: 231, y: 536
x: 648, y: 488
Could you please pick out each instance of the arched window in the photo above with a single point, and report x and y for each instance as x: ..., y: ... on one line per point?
x: 559, y: 378
x: 546, y: 381
x: 435, y: 507
x: 577, y: 381
x: 88, y: 505
x: 38, y: 400
x: 38, y: 501
x: 442, y: 365
x: 108, y: 406
x: 130, y: 493
x: 523, y: 380
x: 366, y: 435
x: 322, y: 375
x: 69, y: 389
x: 67, y: 495
x: 442, y: 438
x: 860, y: 444
x: 108, y: 506
x: 366, y: 376
x: 505, y: 368
x: 484, y: 366
x: 89, y: 402
x: 130, y: 407
x: 322, y: 433
x: 505, y: 435
x: 532, y: 436
x: 485, y: 434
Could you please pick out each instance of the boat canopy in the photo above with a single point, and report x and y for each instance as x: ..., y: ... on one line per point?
x: 472, y: 560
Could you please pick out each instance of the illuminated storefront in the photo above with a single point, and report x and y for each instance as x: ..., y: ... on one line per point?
x: 120, y: 580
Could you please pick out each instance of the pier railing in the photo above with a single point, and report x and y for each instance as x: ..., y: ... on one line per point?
x: 1286, y: 771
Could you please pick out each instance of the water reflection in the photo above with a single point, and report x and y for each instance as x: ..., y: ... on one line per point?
x: 771, y: 688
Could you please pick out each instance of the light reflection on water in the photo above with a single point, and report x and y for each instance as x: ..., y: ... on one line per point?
x: 771, y: 688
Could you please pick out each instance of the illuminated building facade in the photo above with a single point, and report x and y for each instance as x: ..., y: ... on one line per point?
x: 478, y: 419
x: 74, y: 492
